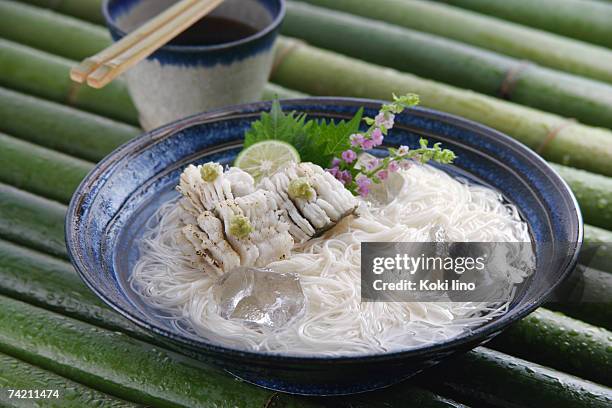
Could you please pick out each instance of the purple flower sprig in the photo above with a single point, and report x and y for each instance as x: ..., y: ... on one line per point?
x: 359, y: 175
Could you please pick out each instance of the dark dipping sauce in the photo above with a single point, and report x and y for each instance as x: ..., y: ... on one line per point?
x: 214, y: 30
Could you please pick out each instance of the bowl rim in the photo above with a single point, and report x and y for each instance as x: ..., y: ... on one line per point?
x: 466, y: 338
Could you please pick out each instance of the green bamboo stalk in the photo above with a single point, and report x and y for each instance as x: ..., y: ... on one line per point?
x: 315, y: 71
x: 600, y: 239
x: 593, y: 192
x: 119, y: 365
x: 518, y: 41
x: 32, y: 221
x: 561, y: 342
x: 18, y: 19
x: 44, y: 74
x: 130, y: 366
x: 490, y: 378
x: 35, y: 72
x: 61, y: 128
x: 273, y: 91
x: 39, y: 170
x: 17, y: 375
x: 116, y: 363
x: 53, y: 284
x: 586, y: 296
x: 88, y: 10
x: 581, y: 19
x: 449, y: 61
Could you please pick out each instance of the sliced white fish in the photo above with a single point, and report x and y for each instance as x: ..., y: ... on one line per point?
x: 231, y: 222
x: 218, y: 247
x: 226, y: 211
x: 330, y: 201
x: 190, y: 213
x: 329, y: 191
x: 204, y: 195
x: 270, y: 231
x: 299, y: 227
x: 201, y: 244
x: 242, y: 183
x: 189, y: 186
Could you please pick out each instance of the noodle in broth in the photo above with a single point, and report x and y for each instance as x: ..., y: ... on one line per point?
x: 335, y: 321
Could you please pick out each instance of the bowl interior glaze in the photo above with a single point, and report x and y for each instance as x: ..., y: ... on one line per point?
x: 107, y: 214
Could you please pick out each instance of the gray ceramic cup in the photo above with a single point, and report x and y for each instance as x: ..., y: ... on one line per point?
x: 182, y: 80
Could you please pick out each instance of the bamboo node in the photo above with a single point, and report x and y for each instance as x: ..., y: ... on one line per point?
x: 73, y: 92
x: 553, y: 134
x: 509, y: 82
x: 280, y: 56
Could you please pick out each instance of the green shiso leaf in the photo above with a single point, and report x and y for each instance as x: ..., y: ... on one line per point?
x: 333, y: 137
x: 276, y: 125
x: 316, y: 141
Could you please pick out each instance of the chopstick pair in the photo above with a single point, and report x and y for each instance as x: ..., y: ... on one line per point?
x: 111, y: 62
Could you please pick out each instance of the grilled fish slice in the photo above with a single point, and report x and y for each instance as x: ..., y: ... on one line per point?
x: 270, y: 233
x: 242, y: 183
x: 325, y: 205
x: 309, y: 208
x: 332, y: 196
x: 204, y: 195
x: 201, y: 244
x: 299, y: 227
x: 231, y: 222
x: 227, y: 211
x: 219, y: 248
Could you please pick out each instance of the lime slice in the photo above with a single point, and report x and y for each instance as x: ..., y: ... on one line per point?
x: 265, y: 158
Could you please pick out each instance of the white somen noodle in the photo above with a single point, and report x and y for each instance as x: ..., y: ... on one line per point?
x: 335, y: 321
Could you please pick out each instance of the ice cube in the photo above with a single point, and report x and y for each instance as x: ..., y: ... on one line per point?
x: 261, y: 297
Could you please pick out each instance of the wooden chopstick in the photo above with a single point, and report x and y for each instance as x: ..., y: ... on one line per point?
x: 105, y: 66
x: 109, y: 70
x: 80, y: 72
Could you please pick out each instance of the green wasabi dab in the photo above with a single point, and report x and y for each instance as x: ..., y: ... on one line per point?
x: 240, y: 227
x: 300, y: 188
x: 210, y: 172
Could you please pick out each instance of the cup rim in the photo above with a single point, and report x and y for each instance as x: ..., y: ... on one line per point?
x: 273, y: 25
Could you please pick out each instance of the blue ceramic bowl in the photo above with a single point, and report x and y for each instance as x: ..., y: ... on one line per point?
x: 111, y: 205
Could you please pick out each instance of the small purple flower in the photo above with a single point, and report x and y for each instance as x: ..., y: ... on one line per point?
x: 403, y: 150
x: 377, y: 137
x: 356, y: 139
x: 349, y: 156
x: 383, y: 174
x: 335, y: 162
x: 372, y: 164
x: 333, y: 171
x: 363, y: 184
x: 367, y: 144
x: 393, y: 166
x: 385, y: 120
x: 345, y: 177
